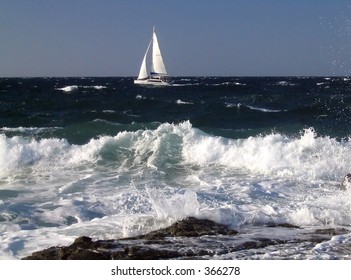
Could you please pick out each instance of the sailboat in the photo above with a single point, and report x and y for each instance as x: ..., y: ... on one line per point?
x: 158, y: 71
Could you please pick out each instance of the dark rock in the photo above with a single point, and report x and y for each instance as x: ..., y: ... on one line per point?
x: 332, y: 231
x: 85, y: 254
x: 144, y: 253
x: 190, y: 238
x: 346, y: 182
x: 52, y: 253
x: 83, y: 240
x: 285, y: 225
x: 84, y: 248
x: 259, y: 243
x: 191, y: 227
x: 81, y: 249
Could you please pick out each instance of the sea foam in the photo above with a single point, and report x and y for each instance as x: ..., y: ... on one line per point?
x: 308, y: 156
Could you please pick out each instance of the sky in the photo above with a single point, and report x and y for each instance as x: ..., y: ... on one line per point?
x: 47, y: 38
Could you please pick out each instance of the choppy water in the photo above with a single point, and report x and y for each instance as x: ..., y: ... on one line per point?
x: 108, y: 159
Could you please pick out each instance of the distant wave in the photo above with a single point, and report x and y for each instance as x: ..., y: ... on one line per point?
x: 139, y: 96
x: 95, y: 87
x: 109, y: 111
x: 265, y: 110
x: 68, y: 88
x: 31, y: 130
x: 285, y: 83
x: 180, y: 102
x: 196, y: 83
x: 227, y: 84
x: 185, y: 84
x: 259, y: 109
x: 75, y: 87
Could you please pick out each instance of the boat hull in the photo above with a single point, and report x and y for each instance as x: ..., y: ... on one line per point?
x: 151, y: 82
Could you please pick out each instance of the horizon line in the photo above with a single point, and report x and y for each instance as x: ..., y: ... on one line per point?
x: 181, y: 76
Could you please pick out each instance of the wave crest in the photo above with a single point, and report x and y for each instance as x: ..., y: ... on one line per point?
x: 308, y: 156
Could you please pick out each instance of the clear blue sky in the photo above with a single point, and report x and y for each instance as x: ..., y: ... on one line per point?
x: 197, y: 37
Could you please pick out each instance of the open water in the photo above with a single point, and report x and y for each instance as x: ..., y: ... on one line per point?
x: 104, y: 158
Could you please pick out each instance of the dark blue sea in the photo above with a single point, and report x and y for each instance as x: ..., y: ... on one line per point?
x: 108, y: 159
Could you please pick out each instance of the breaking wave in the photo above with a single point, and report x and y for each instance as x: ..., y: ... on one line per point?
x: 308, y: 155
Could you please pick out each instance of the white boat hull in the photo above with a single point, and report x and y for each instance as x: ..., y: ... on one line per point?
x: 151, y: 82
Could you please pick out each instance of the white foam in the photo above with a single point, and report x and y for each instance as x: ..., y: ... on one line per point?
x: 75, y: 87
x: 338, y: 246
x: 176, y: 206
x: 28, y: 129
x: 17, y: 154
x: 185, y: 84
x: 265, y: 110
x: 228, y: 84
x: 96, y: 87
x: 285, y: 83
x: 68, y: 88
x: 308, y: 156
x: 16, y: 243
x: 180, y: 102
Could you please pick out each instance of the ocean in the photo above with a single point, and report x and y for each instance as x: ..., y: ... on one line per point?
x: 108, y: 159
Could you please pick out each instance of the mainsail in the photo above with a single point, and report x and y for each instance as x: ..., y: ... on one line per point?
x: 157, y: 67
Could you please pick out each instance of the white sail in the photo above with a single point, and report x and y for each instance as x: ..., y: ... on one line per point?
x: 157, y: 67
x: 143, y: 70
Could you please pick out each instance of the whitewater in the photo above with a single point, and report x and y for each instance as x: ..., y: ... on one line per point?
x: 104, y: 174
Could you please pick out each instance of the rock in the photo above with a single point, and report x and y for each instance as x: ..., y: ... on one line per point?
x: 190, y: 227
x: 85, y: 254
x: 346, y: 183
x: 84, y: 248
x: 284, y: 225
x: 190, y: 238
x: 259, y: 243
x: 52, y: 253
x: 144, y: 253
x: 332, y: 231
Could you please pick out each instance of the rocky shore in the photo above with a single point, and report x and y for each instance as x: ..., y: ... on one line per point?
x: 190, y: 238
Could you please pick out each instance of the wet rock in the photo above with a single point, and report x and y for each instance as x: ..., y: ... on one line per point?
x: 144, y: 253
x: 259, y: 243
x: 190, y: 227
x: 332, y: 231
x: 346, y: 182
x: 84, y: 248
x: 85, y: 254
x: 52, y: 253
x: 284, y: 225
x: 190, y: 238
